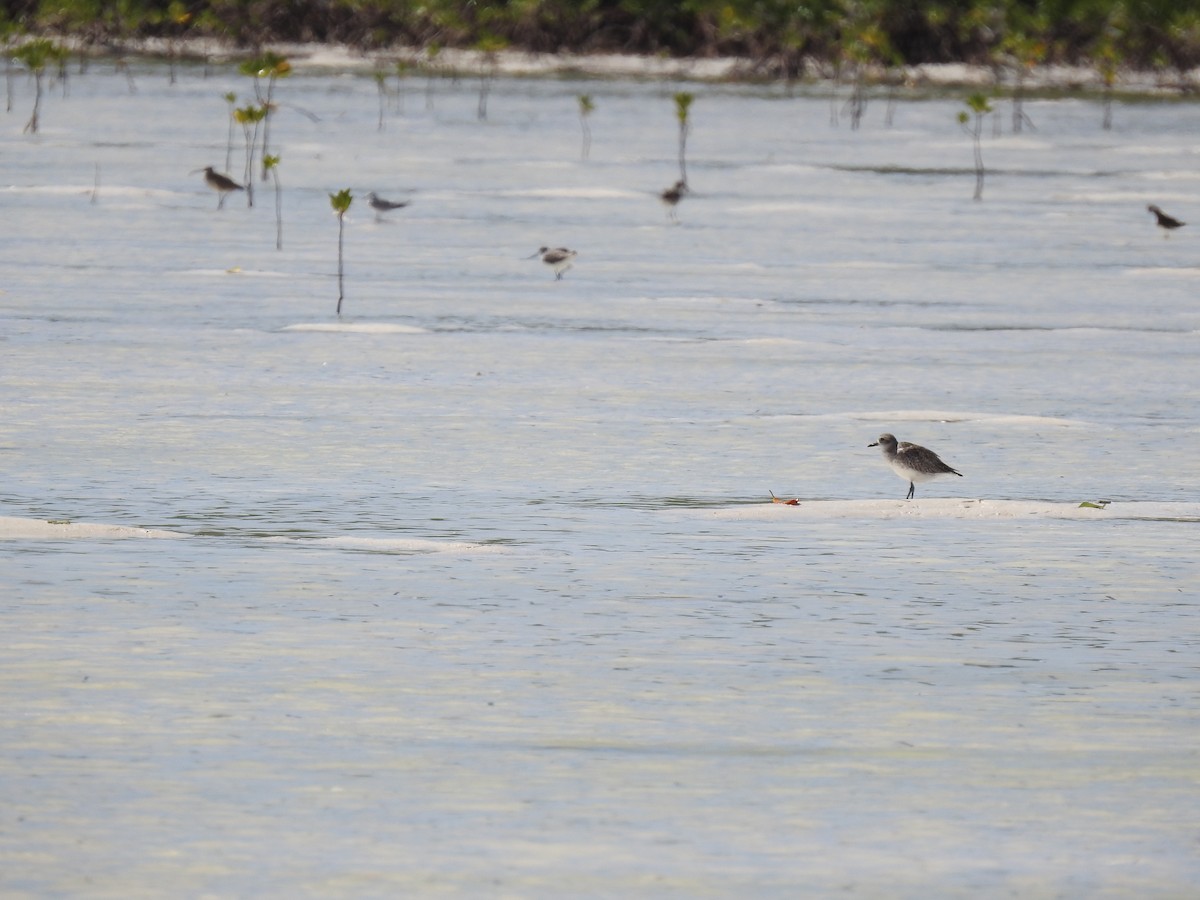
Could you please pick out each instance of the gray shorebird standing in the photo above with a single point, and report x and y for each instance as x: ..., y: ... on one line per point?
x: 222, y: 184
x: 671, y: 197
x: 911, y: 462
x: 381, y: 206
x: 558, y: 258
x: 1165, y: 222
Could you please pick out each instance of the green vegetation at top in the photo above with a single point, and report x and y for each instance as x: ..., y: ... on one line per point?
x: 779, y: 33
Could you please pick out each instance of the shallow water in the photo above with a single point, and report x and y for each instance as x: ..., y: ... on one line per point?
x: 480, y: 591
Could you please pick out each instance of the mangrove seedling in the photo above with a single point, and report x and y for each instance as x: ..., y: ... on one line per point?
x: 341, y: 203
x: 1027, y: 53
x: 585, y: 109
x: 865, y: 42
x: 63, y: 71
x: 122, y: 65
x: 7, y: 31
x: 249, y: 117
x: 402, y: 69
x: 1108, y: 63
x: 977, y: 107
x: 231, y: 99
x: 382, y: 91
x: 272, y: 67
x: 271, y: 164
x: 35, y: 56
x: 489, y: 48
x: 432, y: 68
x: 863, y: 46
x: 683, y: 103
x: 176, y: 20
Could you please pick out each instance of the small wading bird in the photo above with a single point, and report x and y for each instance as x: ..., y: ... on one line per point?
x: 559, y: 259
x: 671, y: 197
x: 912, y: 462
x: 222, y: 184
x: 1165, y: 222
x: 381, y: 206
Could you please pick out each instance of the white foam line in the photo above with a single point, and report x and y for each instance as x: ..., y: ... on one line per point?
x: 12, y: 528
x: 942, y: 508
x: 587, y: 193
x: 1166, y: 271
x: 393, y: 545
x: 940, y: 415
x: 870, y: 264
x: 105, y: 190
x: 356, y: 328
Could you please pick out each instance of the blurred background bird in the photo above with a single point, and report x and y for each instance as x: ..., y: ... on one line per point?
x: 381, y: 206
x: 1165, y: 222
x: 558, y: 258
x: 222, y: 184
x: 671, y: 197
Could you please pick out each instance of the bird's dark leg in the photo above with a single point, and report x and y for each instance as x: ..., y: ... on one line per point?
x: 912, y: 490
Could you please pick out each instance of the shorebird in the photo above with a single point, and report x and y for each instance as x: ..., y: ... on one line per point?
x: 671, y: 197
x: 912, y: 462
x: 1165, y: 222
x: 381, y: 206
x: 559, y: 259
x: 222, y: 184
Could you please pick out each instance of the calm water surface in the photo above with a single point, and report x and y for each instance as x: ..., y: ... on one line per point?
x: 481, y: 592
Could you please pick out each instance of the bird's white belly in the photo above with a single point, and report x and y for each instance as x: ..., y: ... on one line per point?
x: 914, y: 475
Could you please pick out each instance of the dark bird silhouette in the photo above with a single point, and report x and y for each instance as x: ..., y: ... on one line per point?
x: 911, y: 462
x: 222, y: 184
x: 381, y: 206
x: 1165, y: 222
x: 671, y: 197
x: 559, y: 259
